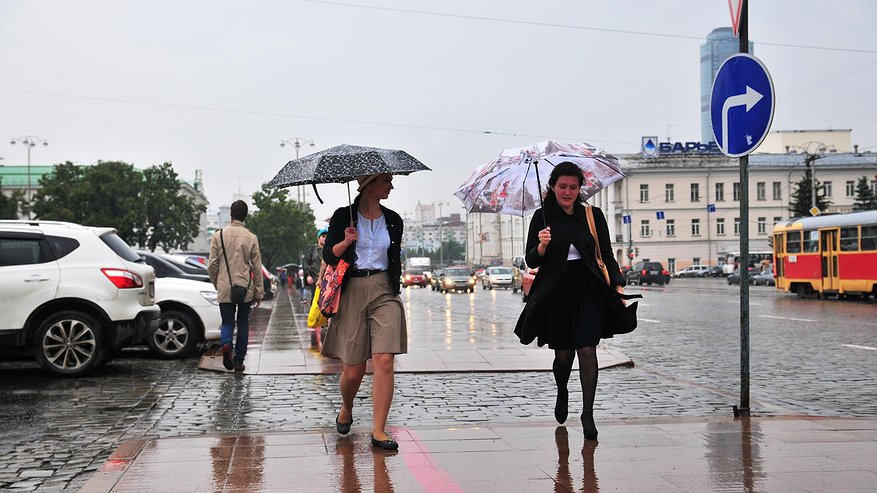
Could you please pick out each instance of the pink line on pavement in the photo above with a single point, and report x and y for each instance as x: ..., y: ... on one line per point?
x: 424, y: 469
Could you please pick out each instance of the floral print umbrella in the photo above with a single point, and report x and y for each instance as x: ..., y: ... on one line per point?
x: 514, y: 182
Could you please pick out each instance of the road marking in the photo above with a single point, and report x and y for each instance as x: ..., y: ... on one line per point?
x: 856, y: 346
x: 649, y: 320
x: 788, y: 318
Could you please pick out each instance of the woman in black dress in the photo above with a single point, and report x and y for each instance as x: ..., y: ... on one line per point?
x: 566, y: 308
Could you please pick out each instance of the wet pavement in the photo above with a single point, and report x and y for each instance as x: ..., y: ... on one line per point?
x: 810, y: 358
x: 640, y: 455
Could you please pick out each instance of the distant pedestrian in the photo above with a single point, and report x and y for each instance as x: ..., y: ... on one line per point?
x: 313, y: 260
x: 302, y: 285
x: 371, y: 319
x: 235, y: 261
x: 566, y: 306
x: 283, y: 276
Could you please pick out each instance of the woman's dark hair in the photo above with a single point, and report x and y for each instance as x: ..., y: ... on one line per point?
x: 238, y: 210
x: 565, y: 168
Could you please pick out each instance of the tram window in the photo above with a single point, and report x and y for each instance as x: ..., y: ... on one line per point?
x: 869, y: 237
x: 849, y: 239
x: 811, y: 241
x: 793, y: 242
x: 778, y: 243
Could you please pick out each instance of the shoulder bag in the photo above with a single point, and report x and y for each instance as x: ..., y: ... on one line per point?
x: 620, y: 319
x: 238, y: 293
x: 330, y: 288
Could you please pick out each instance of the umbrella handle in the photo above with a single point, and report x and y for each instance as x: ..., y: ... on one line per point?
x: 350, y: 204
x: 539, y: 185
x: 317, y: 193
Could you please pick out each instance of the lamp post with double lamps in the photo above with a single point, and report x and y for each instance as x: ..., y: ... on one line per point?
x: 297, y: 142
x: 813, y: 150
x: 441, y: 235
x: 29, y: 141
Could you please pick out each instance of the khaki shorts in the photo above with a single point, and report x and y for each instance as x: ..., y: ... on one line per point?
x: 370, y: 320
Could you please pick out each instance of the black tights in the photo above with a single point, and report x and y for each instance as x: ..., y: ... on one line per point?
x: 563, y: 359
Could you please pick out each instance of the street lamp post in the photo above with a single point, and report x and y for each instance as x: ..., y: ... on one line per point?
x: 29, y: 141
x: 297, y: 142
x: 810, y: 161
x: 441, y: 235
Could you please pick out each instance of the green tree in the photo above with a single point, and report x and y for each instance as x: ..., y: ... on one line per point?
x: 146, y: 208
x: 865, y: 198
x: 10, y: 204
x: 171, y: 220
x: 285, y: 228
x: 801, y: 197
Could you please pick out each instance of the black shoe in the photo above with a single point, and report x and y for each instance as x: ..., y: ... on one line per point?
x: 388, y: 444
x: 343, y: 428
x: 226, y: 357
x: 590, y: 429
x: 239, y: 367
x: 561, y: 405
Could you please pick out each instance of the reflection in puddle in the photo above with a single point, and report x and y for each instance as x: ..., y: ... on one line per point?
x: 733, y: 456
x: 563, y: 481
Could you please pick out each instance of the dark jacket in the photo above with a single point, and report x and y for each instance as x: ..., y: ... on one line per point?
x: 551, y: 266
x: 341, y: 220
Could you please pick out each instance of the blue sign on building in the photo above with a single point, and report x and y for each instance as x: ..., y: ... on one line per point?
x: 711, y: 208
x: 625, y: 219
x: 659, y: 214
x: 742, y: 105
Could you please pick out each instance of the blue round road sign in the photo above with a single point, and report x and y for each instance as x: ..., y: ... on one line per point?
x: 742, y: 105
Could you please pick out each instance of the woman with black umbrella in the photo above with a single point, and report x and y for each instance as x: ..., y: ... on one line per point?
x: 566, y: 308
x: 371, y: 318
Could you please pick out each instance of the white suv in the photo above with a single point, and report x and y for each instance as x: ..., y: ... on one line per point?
x: 71, y: 295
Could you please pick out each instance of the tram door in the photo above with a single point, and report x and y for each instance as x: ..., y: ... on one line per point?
x: 828, y: 244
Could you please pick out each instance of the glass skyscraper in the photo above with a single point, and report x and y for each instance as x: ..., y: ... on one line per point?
x: 720, y: 44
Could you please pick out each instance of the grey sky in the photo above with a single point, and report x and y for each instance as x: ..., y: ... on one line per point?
x: 216, y: 85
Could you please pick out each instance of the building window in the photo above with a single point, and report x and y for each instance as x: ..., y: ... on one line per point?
x: 851, y: 189
x: 826, y: 185
x: 695, y: 192
x: 777, y: 190
x: 644, y: 229
x: 644, y: 193
x: 696, y: 260
x: 762, y: 225
x: 671, y: 264
x: 777, y: 220
x: 695, y: 227
x: 874, y: 187
x: 720, y: 192
x: 760, y: 191
x: 671, y: 227
x: 720, y: 226
x: 669, y: 193
x: 737, y: 191
x: 737, y: 226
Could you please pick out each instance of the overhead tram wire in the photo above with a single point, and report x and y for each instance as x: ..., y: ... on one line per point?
x: 308, y: 117
x: 572, y: 26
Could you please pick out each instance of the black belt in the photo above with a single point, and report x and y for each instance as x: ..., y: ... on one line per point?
x: 364, y: 272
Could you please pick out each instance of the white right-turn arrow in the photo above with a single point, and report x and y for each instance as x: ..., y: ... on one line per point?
x: 750, y: 99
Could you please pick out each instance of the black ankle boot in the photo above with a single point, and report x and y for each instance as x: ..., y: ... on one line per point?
x: 590, y: 429
x: 561, y: 405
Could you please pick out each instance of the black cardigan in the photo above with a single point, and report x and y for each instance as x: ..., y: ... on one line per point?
x: 341, y: 220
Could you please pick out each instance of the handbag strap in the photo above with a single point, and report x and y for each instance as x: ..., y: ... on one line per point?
x: 599, y: 256
x: 227, y: 268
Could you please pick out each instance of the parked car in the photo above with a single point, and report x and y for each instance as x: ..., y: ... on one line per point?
x: 164, y: 267
x: 457, y: 279
x: 648, y: 273
x: 714, y: 271
x: 413, y: 277
x: 734, y: 277
x: 693, y: 271
x: 193, y: 264
x: 189, y: 315
x: 71, y: 295
x: 764, y: 278
x: 497, y: 277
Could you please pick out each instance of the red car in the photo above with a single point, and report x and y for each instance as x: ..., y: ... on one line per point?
x: 414, y: 277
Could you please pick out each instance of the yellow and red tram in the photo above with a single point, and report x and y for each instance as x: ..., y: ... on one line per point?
x: 827, y: 255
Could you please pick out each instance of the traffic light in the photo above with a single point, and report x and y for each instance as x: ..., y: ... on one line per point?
x: 636, y: 251
x: 630, y: 254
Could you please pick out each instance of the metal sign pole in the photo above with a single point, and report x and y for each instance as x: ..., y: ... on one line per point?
x: 743, y: 409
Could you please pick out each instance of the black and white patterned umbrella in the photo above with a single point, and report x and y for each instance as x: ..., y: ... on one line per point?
x: 341, y: 164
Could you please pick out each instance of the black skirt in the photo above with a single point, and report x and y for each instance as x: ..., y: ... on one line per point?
x: 576, y: 315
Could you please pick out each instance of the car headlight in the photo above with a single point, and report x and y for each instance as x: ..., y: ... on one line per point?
x: 471, y: 281
x: 449, y: 282
x: 210, y: 296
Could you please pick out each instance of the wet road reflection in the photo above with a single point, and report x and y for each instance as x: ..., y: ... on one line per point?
x: 354, y: 458
x: 733, y: 457
x: 563, y: 480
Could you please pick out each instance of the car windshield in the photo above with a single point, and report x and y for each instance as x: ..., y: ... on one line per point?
x: 119, y: 246
x: 456, y: 272
x: 500, y: 270
x: 414, y: 272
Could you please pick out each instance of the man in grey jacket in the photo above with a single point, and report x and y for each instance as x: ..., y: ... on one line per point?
x: 235, y: 260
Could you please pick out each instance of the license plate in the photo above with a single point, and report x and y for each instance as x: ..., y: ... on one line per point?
x: 653, y: 272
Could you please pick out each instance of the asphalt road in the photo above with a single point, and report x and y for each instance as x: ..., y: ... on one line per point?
x: 814, y: 357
